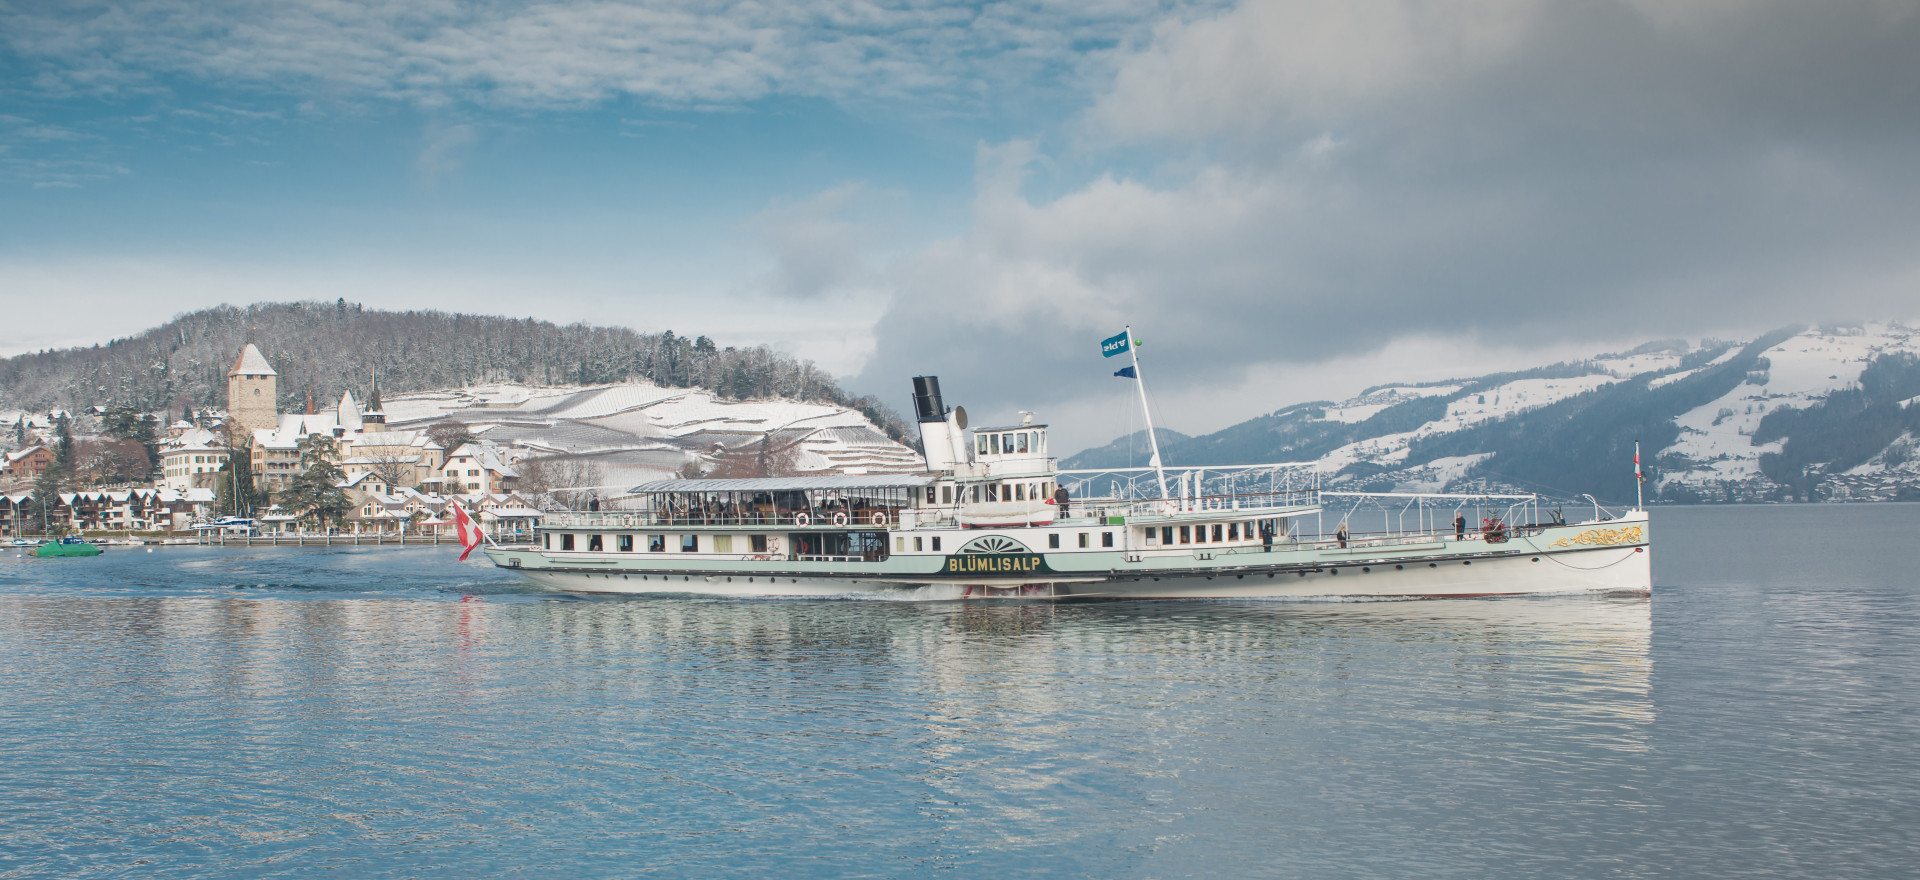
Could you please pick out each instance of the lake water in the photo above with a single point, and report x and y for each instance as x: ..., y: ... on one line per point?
x: 380, y: 712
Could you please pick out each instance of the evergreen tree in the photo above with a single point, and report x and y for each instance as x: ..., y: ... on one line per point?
x: 46, y: 500
x: 315, y: 491
x: 63, y: 448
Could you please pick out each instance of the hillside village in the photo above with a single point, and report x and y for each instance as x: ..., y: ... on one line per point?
x: 505, y: 452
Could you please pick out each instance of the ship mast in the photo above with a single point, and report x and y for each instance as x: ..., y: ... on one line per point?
x: 1153, y: 442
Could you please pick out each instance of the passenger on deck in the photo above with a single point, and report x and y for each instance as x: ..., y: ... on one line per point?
x: 1061, y: 499
x: 1341, y: 536
x: 1459, y: 527
x: 1266, y: 537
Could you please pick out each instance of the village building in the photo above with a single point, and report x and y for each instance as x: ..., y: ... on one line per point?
x: 28, y: 463
x: 191, y: 460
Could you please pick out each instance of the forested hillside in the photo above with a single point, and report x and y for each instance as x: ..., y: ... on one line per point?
x: 322, y: 349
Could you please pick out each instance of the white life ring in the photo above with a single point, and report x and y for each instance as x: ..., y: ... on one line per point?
x: 801, y: 520
x: 627, y: 520
x: 878, y: 518
x: 840, y: 518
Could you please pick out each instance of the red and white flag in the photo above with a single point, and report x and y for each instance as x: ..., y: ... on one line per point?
x: 1637, y: 474
x: 466, y: 529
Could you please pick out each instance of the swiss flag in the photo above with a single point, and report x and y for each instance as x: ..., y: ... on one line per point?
x: 468, y: 530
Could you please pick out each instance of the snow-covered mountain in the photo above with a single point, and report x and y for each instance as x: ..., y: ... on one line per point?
x: 1824, y: 413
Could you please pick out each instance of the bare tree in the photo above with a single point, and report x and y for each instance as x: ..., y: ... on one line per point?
x: 549, y: 479
x: 397, y: 471
x: 770, y: 456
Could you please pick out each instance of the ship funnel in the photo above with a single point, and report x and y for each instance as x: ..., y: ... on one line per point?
x: 926, y: 399
x: 940, y: 436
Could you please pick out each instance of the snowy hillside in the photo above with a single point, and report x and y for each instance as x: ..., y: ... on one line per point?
x: 1842, y: 402
x: 637, y: 431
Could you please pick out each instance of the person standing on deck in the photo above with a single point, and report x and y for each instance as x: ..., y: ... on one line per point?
x: 1061, y: 498
x: 1341, y: 536
x: 1459, y: 527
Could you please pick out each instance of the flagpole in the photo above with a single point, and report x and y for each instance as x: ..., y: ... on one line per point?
x: 1639, y: 478
x: 1153, y: 441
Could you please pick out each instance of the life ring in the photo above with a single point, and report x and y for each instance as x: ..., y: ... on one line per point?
x: 840, y: 518
x: 627, y: 520
x: 801, y: 520
x: 878, y: 518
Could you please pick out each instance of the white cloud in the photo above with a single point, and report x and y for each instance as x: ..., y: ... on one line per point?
x: 679, y: 52
x: 1267, y: 61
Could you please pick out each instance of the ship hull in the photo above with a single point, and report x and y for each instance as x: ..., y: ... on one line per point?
x: 1464, y: 569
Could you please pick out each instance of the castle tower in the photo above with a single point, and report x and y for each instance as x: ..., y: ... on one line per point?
x: 252, y: 386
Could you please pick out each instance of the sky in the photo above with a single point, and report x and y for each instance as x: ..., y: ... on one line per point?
x: 1288, y: 200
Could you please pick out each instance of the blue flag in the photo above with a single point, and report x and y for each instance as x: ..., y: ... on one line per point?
x: 1114, y: 345
x: 1126, y: 373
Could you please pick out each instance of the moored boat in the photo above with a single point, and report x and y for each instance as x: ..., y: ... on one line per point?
x: 67, y: 547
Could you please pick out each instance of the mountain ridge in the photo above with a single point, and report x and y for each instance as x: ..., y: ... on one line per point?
x: 1823, y: 413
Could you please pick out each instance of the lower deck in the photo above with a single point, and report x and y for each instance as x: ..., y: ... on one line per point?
x: 1602, y: 555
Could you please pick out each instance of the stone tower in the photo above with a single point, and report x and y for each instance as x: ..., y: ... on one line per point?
x: 251, y: 388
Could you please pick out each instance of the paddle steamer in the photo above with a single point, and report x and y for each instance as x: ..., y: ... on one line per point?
x: 987, y: 518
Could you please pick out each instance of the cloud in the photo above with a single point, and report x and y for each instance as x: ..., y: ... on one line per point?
x: 440, y: 152
x: 1326, y: 180
x: 676, y: 52
x: 816, y: 249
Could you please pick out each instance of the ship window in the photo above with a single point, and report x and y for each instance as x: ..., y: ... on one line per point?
x: 593, y: 543
x: 929, y: 494
x: 1106, y: 539
x: 546, y: 542
x: 1166, y: 534
x: 1186, y: 534
x: 918, y: 544
x: 656, y: 543
x: 1217, y: 529
x: 936, y: 543
x: 980, y: 441
x: 1023, y: 441
x: 1053, y: 541
x: 946, y: 494
x: 1019, y: 492
x: 689, y: 543
x: 758, y: 543
x: 993, y: 491
x: 566, y: 542
x: 723, y: 543
x: 899, y: 545
x: 626, y: 543
x: 1233, y: 531
x: 1006, y: 443
x: 1083, y: 540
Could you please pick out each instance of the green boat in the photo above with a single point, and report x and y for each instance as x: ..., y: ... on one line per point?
x: 67, y: 547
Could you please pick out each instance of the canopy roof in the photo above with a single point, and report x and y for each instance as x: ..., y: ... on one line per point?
x: 789, y: 484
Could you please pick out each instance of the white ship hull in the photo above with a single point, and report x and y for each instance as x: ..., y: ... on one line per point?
x: 1520, y: 567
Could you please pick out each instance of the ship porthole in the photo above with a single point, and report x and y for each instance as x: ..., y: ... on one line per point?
x: 1239, y: 577
x: 1365, y: 570
x: 729, y: 580
x: 1468, y: 562
x: 1269, y: 575
x: 1433, y: 565
x: 1336, y: 571
x: 1536, y: 559
x: 1400, y: 568
x: 1303, y: 574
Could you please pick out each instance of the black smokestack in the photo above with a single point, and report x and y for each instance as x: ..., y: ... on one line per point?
x: 926, y: 399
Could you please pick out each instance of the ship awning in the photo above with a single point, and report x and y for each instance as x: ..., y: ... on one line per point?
x: 788, y: 484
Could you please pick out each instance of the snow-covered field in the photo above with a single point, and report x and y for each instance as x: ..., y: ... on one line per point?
x: 637, y: 431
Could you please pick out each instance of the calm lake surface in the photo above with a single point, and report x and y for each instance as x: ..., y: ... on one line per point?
x: 380, y: 712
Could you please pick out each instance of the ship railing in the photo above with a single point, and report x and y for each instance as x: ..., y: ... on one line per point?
x: 636, y: 519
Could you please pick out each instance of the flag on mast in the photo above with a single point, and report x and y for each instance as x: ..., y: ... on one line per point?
x: 466, y: 529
